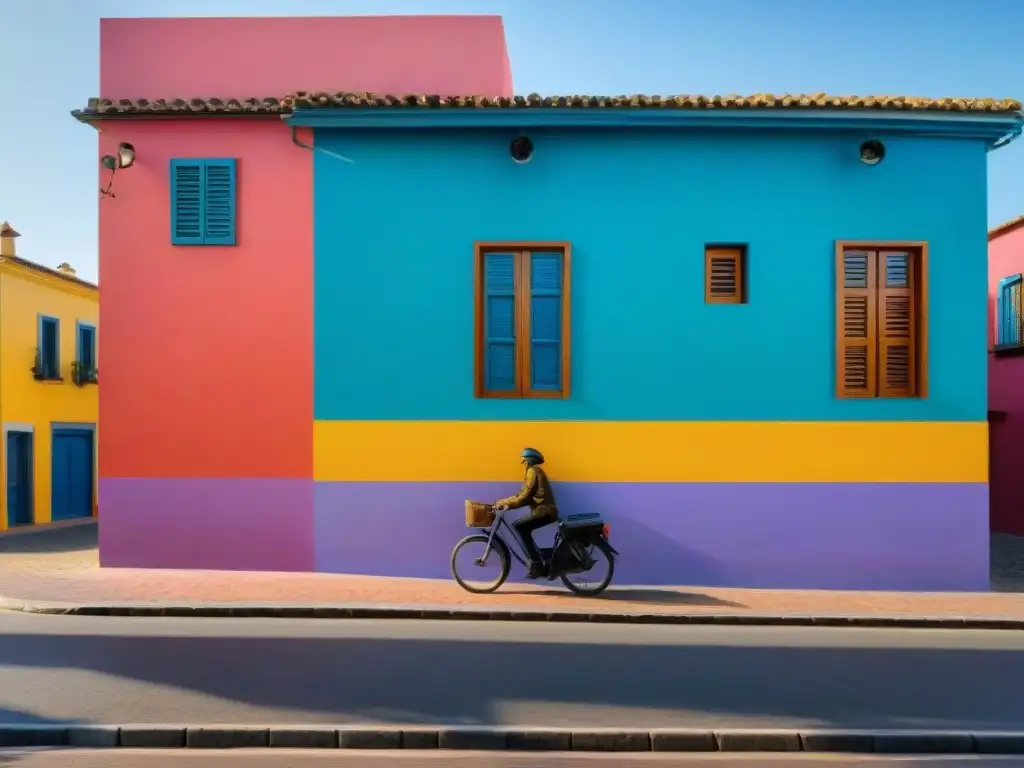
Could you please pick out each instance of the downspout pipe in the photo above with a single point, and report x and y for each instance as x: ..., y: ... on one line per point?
x: 1011, y: 136
x: 302, y: 145
x: 298, y: 142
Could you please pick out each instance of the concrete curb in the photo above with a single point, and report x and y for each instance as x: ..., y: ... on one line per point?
x: 440, y: 613
x: 512, y: 739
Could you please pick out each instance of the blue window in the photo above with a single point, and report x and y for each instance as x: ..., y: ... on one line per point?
x: 203, y: 202
x: 48, y: 346
x: 85, y: 352
x: 522, y: 320
x: 1008, y: 312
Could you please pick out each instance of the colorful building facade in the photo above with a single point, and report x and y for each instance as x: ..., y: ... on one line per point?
x: 49, y: 373
x: 1006, y: 375
x: 743, y: 333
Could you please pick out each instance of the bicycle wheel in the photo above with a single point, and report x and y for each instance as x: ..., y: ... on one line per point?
x: 467, y: 561
x: 602, y: 555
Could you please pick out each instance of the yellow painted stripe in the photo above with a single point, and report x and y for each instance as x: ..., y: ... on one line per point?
x: 679, y: 451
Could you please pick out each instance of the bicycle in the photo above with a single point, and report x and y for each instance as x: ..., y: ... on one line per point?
x: 578, y: 540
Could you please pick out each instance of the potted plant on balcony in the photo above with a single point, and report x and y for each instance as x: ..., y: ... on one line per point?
x: 38, y: 373
x: 83, y: 374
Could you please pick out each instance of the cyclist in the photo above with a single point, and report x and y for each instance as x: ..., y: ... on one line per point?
x: 536, y: 494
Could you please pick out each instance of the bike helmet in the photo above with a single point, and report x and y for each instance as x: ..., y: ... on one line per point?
x: 532, y: 457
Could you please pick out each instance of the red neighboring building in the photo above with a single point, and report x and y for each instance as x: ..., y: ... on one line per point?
x: 1006, y: 377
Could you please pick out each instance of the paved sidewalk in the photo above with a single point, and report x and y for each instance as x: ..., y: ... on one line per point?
x: 60, y: 566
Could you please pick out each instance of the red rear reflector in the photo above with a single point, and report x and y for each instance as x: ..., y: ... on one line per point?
x: 606, y: 530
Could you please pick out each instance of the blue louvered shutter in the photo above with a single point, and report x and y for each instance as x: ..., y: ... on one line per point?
x: 1008, y: 310
x: 187, y: 202
x: 1001, y: 313
x: 1013, y: 310
x: 546, y: 321
x: 500, y: 322
x: 219, y: 202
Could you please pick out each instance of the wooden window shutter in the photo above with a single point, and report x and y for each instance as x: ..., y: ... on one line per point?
x: 1014, y: 308
x: 897, y: 324
x: 187, y: 202
x: 219, y: 202
x: 1001, y: 313
x: 723, y: 276
x: 855, y: 327
x: 1008, y: 310
x: 545, y: 270
x: 499, y: 305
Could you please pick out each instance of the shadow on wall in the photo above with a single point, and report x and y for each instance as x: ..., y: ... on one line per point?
x: 1007, y: 563
x: 860, y: 536
x: 410, y: 529
x: 1006, y: 454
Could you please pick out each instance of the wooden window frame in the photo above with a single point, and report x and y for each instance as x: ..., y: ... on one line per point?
x: 736, y: 252
x: 920, y: 340
x: 522, y: 315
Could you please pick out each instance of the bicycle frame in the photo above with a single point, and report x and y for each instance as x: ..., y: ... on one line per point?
x: 492, y: 532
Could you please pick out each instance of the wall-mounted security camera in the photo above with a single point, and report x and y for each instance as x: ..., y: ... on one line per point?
x: 872, y: 152
x: 521, y: 149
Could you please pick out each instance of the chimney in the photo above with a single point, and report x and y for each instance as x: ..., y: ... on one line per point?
x: 66, y: 269
x: 7, y: 235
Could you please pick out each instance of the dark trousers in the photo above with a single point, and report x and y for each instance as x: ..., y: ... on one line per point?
x: 530, y: 522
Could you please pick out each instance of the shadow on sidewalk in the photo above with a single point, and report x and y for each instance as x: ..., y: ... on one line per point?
x: 76, y: 537
x: 626, y: 595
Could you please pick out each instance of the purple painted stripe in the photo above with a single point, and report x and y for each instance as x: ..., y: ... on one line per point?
x: 237, y: 524
x: 760, y: 535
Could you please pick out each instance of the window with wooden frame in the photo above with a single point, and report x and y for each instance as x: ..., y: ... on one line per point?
x: 522, y: 320
x: 881, y: 317
x: 725, y: 274
x: 1008, y: 313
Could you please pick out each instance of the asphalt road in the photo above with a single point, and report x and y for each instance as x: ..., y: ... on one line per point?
x: 256, y: 671
x: 130, y: 758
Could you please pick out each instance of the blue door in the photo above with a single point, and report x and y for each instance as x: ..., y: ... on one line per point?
x: 19, y: 478
x: 71, y: 495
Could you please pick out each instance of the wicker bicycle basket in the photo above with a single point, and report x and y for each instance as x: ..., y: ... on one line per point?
x: 478, y: 514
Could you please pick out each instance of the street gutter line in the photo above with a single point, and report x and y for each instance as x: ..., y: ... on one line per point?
x: 153, y: 736
x: 440, y: 613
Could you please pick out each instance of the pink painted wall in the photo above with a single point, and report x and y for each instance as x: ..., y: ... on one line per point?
x: 259, y: 57
x: 1005, y: 399
x: 213, y: 344
x: 206, y: 407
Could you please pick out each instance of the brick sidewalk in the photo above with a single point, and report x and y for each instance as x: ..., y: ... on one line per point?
x: 61, y: 566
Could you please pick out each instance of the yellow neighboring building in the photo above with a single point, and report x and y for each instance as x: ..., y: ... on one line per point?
x: 48, y: 390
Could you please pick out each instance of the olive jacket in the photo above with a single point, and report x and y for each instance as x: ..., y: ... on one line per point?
x: 536, y: 494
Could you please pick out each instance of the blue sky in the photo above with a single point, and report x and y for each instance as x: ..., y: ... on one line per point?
x: 49, y: 60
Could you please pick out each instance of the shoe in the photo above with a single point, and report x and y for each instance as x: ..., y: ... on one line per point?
x: 534, y: 571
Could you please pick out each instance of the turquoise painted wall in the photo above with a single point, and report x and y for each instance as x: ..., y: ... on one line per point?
x: 394, y: 233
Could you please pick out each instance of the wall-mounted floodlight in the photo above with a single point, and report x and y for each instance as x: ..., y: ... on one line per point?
x: 125, y: 158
